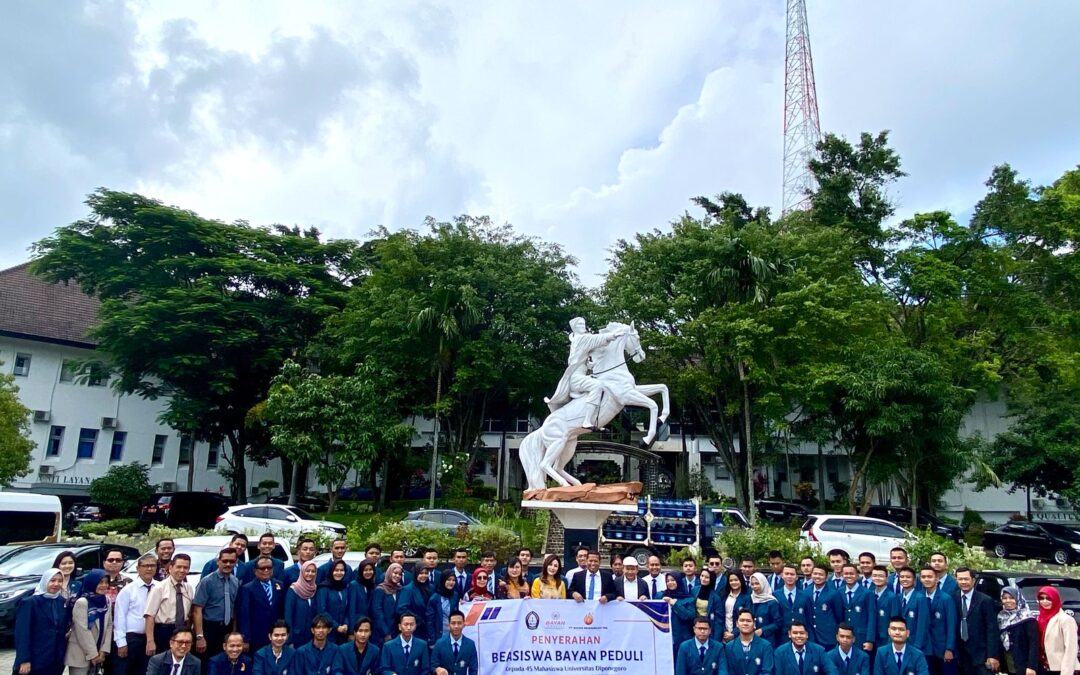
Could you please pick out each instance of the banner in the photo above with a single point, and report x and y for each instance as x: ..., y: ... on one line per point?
x: 563, y: 636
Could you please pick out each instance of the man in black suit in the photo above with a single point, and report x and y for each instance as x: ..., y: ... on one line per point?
x: 629, y: 586
x: 593, y: 583
x: 178, y: 659
x: 978, y: 633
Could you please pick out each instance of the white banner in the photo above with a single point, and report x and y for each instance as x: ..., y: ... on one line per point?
x: 563, y: 636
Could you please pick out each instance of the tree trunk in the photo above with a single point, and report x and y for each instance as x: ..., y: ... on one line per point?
x: 821, y: 476
x: 746, y: 442
x: 238, y: 479
x: 914, y: 498
x: 385, y: 468
x: 294, y: 483
x: 433, y: 476
x: 191, y: 466
x: 286, y: 475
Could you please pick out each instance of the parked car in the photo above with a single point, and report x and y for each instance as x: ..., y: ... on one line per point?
x: 285, y: 521
x: 1047, y: 541
x: 21, y: 568
x: 81, y: 514
x: 780, y: 511
x: 992, y: 581
x: 183, y: 509
x: 306, y: 502
x: 901, y: 515
x: 853, y: 534
x: 27, y: 518
x: 439, y: 519
x: 202, y: 549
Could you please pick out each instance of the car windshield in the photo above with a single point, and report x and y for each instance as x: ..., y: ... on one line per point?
x: 29, y: 562
x: 300, y: 513
x: 1061, y: 531
x: 1030, y: 589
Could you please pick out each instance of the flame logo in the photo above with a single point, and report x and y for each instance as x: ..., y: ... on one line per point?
x: 588, y: 619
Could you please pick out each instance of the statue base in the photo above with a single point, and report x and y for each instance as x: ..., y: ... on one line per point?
x: 582, y: 509
x: 590, y: 493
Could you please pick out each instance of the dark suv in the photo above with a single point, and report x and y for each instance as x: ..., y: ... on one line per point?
x: 183, y: 509
x: 901, y: 515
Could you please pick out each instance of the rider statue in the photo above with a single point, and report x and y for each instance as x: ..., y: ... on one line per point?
x: 576, y: 380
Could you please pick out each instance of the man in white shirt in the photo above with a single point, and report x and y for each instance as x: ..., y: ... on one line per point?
x: 129, y: 625
x: 580, y: 556
x: 655, y: 578
x: 628, y: 586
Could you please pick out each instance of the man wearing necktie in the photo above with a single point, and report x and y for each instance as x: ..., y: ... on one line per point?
x: 857, y: 610
x: 128, y: 624
x: 455, y: 654
x: 837, y: 559
x: 979, y: 645
x: 791, y: 601
x: 593, y: 583
x: 846, y: 658
x: 700, y: 655
x: 405, y: 654
x: 776, y: 564
x: 168, y: 605
x: 825, y: 609
x: 900, y: 658
x: 177, y: 659
x: 214, y: 605
x: 748, y: 654
x: 884, y: 605
x: 259, y: 604
x: 799, y: 656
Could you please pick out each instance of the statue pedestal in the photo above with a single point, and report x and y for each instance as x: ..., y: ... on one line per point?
x: 581, y: 521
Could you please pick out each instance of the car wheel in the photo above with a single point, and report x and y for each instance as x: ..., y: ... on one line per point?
x: 1061, y: 556
x: 1000, y: 551
x: 641, y: 554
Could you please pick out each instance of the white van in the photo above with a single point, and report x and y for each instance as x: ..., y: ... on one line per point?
x: 29, y: 518
x: 853, y: 534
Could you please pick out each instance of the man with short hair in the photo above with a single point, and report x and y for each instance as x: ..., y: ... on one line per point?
x: 405, y: 654
x: 239, y: 543
x: 776, y: 565
x: 837, y: 558
x: 430, y: 557
x: 487, y: 561
x: 823, y: 608
x: 689, y: 577
x: 628, y: 586
x: 114, y: 561
x: 791, y: 604
x: 615, y: 564
x: 867, y: 560
x: 338, y: 548
x: 276, y: 657
x: 164, y: 548
x: 748, y: 654
x: 898, y: 559
x: 231, y: 660
x: 806, y: 569
x: 358, y: 656
x: 913, y: 610
x: 655, y: 578
x: 857, y: 609
x: 940, y: 645
x: 373, y: 555
x: 259, y: 604
x: 747, y: 567
x: 266, y: 545
x: 318, y: 656
x: 700, y: 655
x: 845, y: 659
x: 455, y: 654
x: 525, y: 556
x: 129, y: 625
x: 940, y: 564
x: 581, y: 553
x: 213, y: 613
x: 799, y: 656
x: 177, y: 660
x: 397, y: 556
x: 594, y: 583
x: 900, y: 658
x: 168, y: 607
x: 978, y: 644
x: 460, y: 571
x: 305, y: 551
x: 885, y: 604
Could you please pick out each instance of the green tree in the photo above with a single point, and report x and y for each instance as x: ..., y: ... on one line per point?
x: 123, y: 489
x: 15, y: 443
x: 201, y: 311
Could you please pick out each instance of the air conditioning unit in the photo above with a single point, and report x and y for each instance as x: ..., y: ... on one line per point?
x: 46, y: 470
x: 108, y: 422
x: 42, y: 416
x: 168, y: 486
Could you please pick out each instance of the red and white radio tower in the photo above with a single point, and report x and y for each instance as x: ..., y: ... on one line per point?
x: 802, y: 130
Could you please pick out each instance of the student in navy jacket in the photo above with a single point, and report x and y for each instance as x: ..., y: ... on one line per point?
x: 358, y: 656
x: 405, y: 654
x: 857, y: 609
x: 266, y: 548
x: 786, y: 657
x: 737, y: 595
x: 766, y: 609
x: 41, y: 627
x: 300, y: 605
x: 305, y: 551
x: 275, y: 658
x: 383, y: 603
x: 259, y: 604
x: 846, y: 658
x: 231, y: 661
x: 823, y: 608
x: 239, y: 542
x: 941, y: 628
x: 979, y: 643
x: 455, y: 654
x: 912, y: 608
x: 361, y: 589
x: 699, y: 655
x: 318, y: 656
x: 884, y: 605
x: 440, y: 605
x: 940, y: 564
x: 332, y: 599
x: 912, y: 660
x: 787, y: 596
x: 748, y: 654
x: 414, y: 598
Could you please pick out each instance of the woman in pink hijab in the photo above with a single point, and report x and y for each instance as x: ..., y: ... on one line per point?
x: 1057, y: 633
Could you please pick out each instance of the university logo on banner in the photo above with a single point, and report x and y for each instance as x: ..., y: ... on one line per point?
x: 563, y: 636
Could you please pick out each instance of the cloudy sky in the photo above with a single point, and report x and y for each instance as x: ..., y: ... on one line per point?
x: 580, y: 123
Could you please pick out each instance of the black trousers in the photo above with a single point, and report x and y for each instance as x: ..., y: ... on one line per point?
x: 162, y: 633
x: 214, y: 632
x: 135, y: 662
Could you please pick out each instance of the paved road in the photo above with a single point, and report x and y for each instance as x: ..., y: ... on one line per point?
x: 7, y: 660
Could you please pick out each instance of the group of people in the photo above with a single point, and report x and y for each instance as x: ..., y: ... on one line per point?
x: 845, y: 618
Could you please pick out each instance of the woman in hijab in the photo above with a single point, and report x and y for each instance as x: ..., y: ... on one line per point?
x: 300, y: 604
x: 765, y: 608
x: 726, y: 606
x: 40, y: 628
x: 1019, y: 634
x: 443, y: 601
x: 65, y: 562
x: 332, y: 599
x: 478, y: 586
x: 1057, y: 632
x: 414, y: 599
x: 383, y: 602
x: 90, y: 639
x: 361, y: 589
x: 682, y: 610
x: 513, y: 586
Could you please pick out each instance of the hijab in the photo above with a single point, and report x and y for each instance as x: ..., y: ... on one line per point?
x: 305, y: 589
x: 336, y: 584
x: 424, y: 588
x: 43, y: 585
x: 97, y: 604
x: 766, y: 594
x: 369, y: 584
x: 441, y: 588
x: 704, y: 591
x: 680, y: 590
x: 478, y: 589
x: 388, y: 585
x: 1055, y: 607
x: 1008, y: 619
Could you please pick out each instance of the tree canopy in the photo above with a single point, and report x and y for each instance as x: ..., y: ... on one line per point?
x: 15, y: 444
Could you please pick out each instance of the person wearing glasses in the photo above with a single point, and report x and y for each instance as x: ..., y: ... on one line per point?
x: 213, y: 610
x: 478, y: 589
x: 259, y: 604
x: 178, y: 660
x: 114, y: 560
x: 129, y: 628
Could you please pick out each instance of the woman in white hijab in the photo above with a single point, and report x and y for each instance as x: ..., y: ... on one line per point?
x: 40, y: 628
x: 765, y: 608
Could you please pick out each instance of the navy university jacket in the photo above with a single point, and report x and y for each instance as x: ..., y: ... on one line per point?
x: 220, y: 665
x: 757, y: 661
x: 786, y: 663
x: 858, y: 612
x: 255, y: 613
x: 942, y: 626
x: 351, y: 662
x: 885, y: 607
x: 688, y: 661
x: 467, y: 661
x: 266, y: 664
x: 913, y: 662
x: 914, y: 610
x: 310, y: 660
x: 823, y: 615
x: 858, y: 662
x: 392, y: 658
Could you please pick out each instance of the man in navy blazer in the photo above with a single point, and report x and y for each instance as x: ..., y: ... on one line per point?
x: 603, y: 585
x: 823, y: 608
x: 940, y: 645
x: 912, y: 608
x: 748, y: 654
x: 979, y: 643
x: 787, y: 656
x: 846, y: 658
x: 857, y: 609
x: 791, y: 605
x: 884, y: 605
x: 266, y: 548
x: 358, y: 656
x: 898, y: 657
x: 405, y: 654
x: 259, y: 604
x: 455, y: 654
x: 700, y: 655
x: 276, y: 657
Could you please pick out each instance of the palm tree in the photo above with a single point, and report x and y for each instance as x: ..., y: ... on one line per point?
x: 451, y: 312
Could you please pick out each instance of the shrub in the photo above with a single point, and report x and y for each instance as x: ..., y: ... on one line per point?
x: 477, y: 539
x: 971, y: 517
x: 757, y: 541
x: 923, y: 543
x: 123, y: 488
x: 119, y: 525
x: 973, y: 534
x: 675, y: 557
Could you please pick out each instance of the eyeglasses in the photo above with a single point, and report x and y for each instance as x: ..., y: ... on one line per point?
x: 114, y: 560
x: 181, y: 642
x: 481, y: 577
x: 265, y: 567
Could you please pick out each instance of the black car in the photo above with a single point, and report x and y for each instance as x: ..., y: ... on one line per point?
x: 306, y: 502
x: 183, y: 509
x: 991, y: 582
x: 1055, y: 543
x: 901, y: 515
x: 81, y: 514
x: 21, y: 568
x: 781, y: 512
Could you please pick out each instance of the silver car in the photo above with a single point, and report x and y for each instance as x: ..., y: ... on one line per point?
x: 439, y: 519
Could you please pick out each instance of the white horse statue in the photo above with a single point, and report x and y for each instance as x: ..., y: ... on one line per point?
x: 546, y: 451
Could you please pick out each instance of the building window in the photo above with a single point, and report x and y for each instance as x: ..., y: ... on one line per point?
x: 98, y: 375
x: 212, y: 455
x: 68, y: 369
x: 22, y: 365
x: 522, y: 425
x: 117, y: 451
x: 87, y: 441
x: 159, y: 449
x: 187, y: 442
x: 56, y: 439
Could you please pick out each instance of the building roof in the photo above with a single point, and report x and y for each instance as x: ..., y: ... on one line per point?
x: 33, y: 309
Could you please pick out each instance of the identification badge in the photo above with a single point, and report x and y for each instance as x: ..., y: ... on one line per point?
x: 858, y: 609
x: 824, y: 608
x: 461, y: 664
x: 815, y: 669
x: 757, y: 662
x: 937, y: 615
